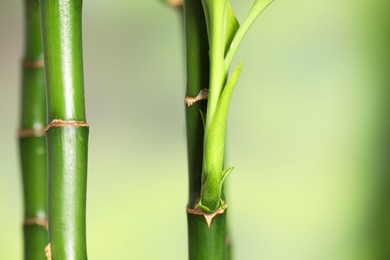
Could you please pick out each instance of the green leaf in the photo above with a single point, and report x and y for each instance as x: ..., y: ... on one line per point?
x: 258, y: 7
x: 225, y: 173
x: 231, y: 26
x: 215, y: 138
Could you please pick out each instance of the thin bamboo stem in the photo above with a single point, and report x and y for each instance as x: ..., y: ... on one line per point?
x: 197, y: 79
x: 205, y: 243
x: 67, y: 131
x: 32, y: 143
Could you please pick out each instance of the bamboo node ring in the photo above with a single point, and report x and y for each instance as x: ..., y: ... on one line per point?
x: 176, y: 3
x: 202, y: 95
x: 36, y: 221
x: 31, y: 132
x: 33, y: 64
x: 62, y: 123
x: 208, y: 217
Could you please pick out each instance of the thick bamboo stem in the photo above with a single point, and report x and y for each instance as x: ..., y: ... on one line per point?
x: 67, y: 131
x: 32, y: 143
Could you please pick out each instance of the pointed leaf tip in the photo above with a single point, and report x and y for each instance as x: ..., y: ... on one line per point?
x: 231, y: 27
x: 226, y: 173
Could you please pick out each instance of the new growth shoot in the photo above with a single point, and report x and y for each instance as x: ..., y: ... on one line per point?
x: 224, y: 36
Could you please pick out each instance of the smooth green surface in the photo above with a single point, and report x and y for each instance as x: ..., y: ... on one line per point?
x: 301, y: 131
x: 32, y: 30
x: 67, y: 146
x: 35, y: 241
x: 62, y: 40
x: 197, y: 78
x: 33, y: 162
x: 205, y: 243
x: 68, y: 154
x: 33, y: 149
x: 33, y: 108
x: 214, y: 12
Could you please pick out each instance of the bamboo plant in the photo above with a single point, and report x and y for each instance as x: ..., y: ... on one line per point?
x: 32, y: 137
x: 67, y: 130
x: 213, y: 35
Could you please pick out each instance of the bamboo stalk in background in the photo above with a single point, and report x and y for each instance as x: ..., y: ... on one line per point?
x: 32, y: 137
x: 67, y: 131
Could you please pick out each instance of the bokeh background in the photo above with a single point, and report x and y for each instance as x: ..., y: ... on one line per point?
x: 308, y: 132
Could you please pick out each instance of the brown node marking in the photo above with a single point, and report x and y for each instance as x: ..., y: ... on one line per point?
x: 228, y: 241
x: 36, y: 221
x: 208, y: 217
x: 48, y: 251
x: 31, y: 132
x: 34, y: 64
x: 203, y: 94
x: 176, y: 3
x: 62, y: 123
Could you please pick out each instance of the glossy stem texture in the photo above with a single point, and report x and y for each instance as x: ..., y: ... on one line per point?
x: 207, y: 243
x: 32, y: 143
x: 67, y: 132
x: 204, y: 243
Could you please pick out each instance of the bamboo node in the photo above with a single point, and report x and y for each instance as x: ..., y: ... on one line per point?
x: 228, y: 241
x: 208, y: 217
x: 203, y: 94
x: 48, y: 251
x: 33, y: 64
x: 36, y: 221
x: 31, y: 132
x: 176, y: 3
x: 62, y: 123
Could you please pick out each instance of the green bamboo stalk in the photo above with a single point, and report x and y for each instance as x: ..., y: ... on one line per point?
x: 32, y: 143
x: 204, y: 242
x: 67, y: 132
x: 214, y: 20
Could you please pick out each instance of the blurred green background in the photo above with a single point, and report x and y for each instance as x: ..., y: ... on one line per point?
x: 307, y: 132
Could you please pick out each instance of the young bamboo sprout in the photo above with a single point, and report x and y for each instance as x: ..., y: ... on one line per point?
x: 212, y: 21
x: 32, y: 137
x: 204, y: 242
x: 224, y: 35
x: 67, y: 131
